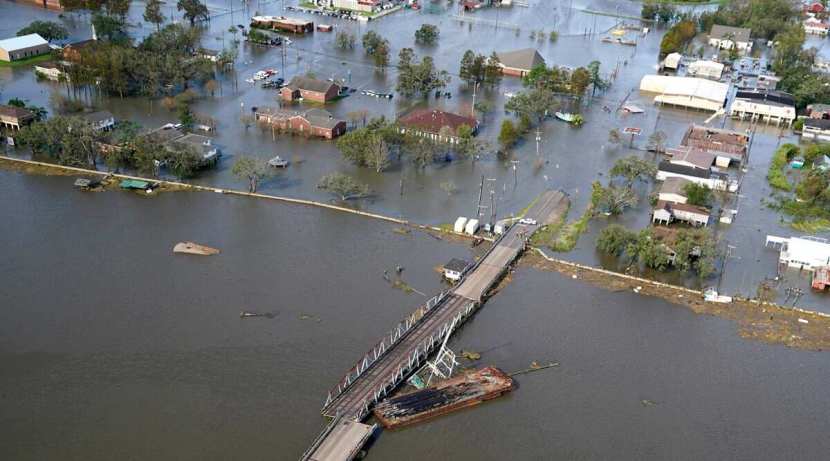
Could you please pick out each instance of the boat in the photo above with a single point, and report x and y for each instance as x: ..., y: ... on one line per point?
x: 632, y: 109
x: 565, y: 116
x: 278, y: 162
x: 463, y: 391
x: 194, y: 249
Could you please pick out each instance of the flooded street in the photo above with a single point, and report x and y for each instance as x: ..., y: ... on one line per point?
x: 113, y: 347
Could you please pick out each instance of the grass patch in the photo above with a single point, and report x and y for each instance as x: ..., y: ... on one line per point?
x: 775, y: 176
x: 811, y: 226
x: 562, y: 237
x: 27, y: 61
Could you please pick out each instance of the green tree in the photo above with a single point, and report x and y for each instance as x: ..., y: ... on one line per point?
x: 427, y: 34
x: 343, y: 186
x: 580, y: 80
x: 534, y: 104
x: 492, y: 70
x: 194, y: 10
x: 677, y: 37
x: 697, y: 194
x: 616, y: 199
x: 597, y: 82
x: 813, y: 187
x: 47, y: 29
x: 508, y: 135
x: 118, y: 8
x: 344, y: 40
x: 252, y: 169
x: 153, y: 14
x: 110, y: 28
x: 633, y: 168
x: 67, y: 140
x: 614, y: 239
x: 418, y: 78
x: 184, y: 163
x: 366, y: 147
x: 186, y: 117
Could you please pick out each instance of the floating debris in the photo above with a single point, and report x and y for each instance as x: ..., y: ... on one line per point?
x: 245, y: 314
x: 470, y: 355
x: 402, y: 230
x: 534, y: 366
x: 466, y: 390
x: 648, y: 403
x: 194, y: 249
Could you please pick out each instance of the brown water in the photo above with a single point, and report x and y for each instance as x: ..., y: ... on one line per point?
x: 111, y: 347
x: 575, y: 157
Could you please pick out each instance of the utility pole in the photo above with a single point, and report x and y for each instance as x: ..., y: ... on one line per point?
x: 515, y: 174
x: 480, y: 192
x: 492, y: 208
x: 538, y: 140
x: 473, y: 108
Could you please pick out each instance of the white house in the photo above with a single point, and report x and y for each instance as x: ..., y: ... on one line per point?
x: 712, y: 179
x: 696, y: 93
x: 705, y: 69
x: 672, y: 61
x: 100, y: 120
x: 767, y: 105
x: 454, y: 269
x: 49, y: 70
x: 816, y: 128
x: 727, y: 38
x: 808, y: 253
x: 815, y: 26
x: 667, y: 212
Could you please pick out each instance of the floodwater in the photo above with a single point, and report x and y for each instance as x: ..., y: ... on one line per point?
x: 574, y: 156
x: 112, y: 347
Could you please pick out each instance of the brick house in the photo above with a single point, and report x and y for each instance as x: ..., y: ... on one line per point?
x: 436, y: 125
x: 314, y: 123
x: 310, y: 89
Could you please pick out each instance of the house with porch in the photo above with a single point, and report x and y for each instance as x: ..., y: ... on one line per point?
x: 727, y: 38
x: 668, y: 212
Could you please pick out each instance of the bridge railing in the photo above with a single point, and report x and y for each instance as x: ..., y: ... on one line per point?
x: 414, y: 360
x: 383, y: 345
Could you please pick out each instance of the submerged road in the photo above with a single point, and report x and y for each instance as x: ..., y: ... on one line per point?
x: 375, y: 376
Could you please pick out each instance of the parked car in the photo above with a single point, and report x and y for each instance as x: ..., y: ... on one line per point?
x: 528, y: 221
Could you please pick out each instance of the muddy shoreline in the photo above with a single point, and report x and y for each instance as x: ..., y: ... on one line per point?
x: 759, y: 321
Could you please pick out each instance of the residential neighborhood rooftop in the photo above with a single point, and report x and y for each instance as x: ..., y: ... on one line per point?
x: 22, y: 42
x: 526, y: 58
x: 433, y: 120
x: 736, y: 34
x: 311, y: 84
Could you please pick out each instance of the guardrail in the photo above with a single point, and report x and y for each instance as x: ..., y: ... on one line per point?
x: 383, y: 346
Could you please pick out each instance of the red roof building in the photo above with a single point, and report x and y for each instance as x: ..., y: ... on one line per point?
x: 436, y: 124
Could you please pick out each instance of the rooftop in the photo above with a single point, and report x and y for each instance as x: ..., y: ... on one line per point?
x: 697, y: 157
x: 15, y: 112
x: 772, y: 97
x: 817, y: 123
x: 526, y: 58
x: 457, y: 265
x: 310, y: 84
x: 736, y: 34
x: 686, y: 170
x: 670, y: 206
x: 24, y: 41
x: 690, y: 87
x: 674, y: 186
x: 716, y: 140
x: 433, y: 120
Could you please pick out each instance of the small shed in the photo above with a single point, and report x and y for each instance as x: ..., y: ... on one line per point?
x: 797, y: 163
x: 135, y: 184
x: 501, y: 227
x: 460, y: 224
x: 472, y: 227
x: 672, y: 61
x: 455, y: 268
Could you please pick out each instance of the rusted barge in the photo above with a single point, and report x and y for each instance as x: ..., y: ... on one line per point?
x: 466, y: 390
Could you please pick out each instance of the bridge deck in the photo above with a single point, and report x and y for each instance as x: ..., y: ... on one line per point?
x: 402, y: 357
